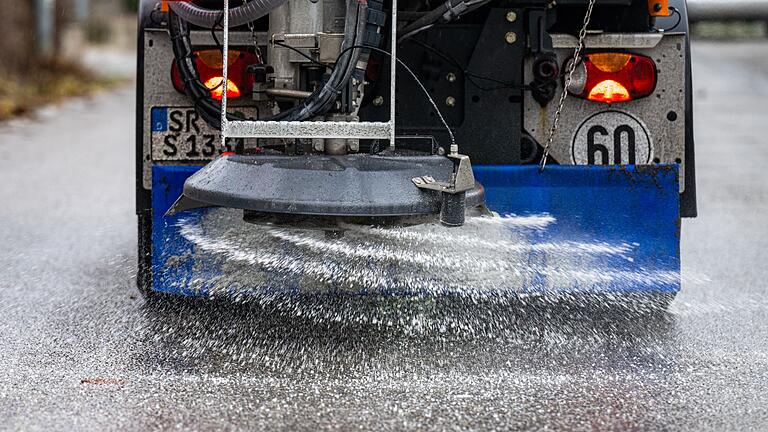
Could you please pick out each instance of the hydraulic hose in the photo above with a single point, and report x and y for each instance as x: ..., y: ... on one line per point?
x: 323, y: 98
x: 238, y: 16
x: 446, y: 12
x: 319, y: 101
x: 209, y: 109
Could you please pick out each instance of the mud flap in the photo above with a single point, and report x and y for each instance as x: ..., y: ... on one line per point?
x: 632, y: 209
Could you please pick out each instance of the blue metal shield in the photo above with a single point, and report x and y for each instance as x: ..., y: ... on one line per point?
x: 625, y: 219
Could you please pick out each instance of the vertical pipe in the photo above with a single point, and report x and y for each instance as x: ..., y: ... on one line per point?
x: 279, y: 59
x: 44, y: 23
x: 81, y: 10
x: 225, y: 79
x: 393, y: 74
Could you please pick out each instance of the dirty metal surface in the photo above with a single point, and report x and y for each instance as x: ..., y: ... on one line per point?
x: 326, y: 185
x: 159, y: 94
x: 659, y: 136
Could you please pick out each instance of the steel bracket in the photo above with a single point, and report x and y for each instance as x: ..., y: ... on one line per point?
x: 463, y: 178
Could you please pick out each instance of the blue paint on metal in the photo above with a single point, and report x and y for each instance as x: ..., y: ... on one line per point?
x: 172, y: 266
x: 638, y: 206
x: 159, y: 119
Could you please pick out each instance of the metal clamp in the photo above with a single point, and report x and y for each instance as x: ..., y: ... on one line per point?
x: 454, y: 193
x: 463, y: 178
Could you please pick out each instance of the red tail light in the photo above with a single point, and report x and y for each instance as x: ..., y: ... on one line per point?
x: 211, y: 69
x: 613, y: 77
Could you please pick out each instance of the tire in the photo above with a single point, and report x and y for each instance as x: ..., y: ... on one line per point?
x: 144, y: 268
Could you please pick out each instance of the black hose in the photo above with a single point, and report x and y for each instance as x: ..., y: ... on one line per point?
x: 437, y: 15
x: 238, y: 16
x: 316, y: 104
x: 323, y: 98
x: 431, y: 17
x: 209, y: 109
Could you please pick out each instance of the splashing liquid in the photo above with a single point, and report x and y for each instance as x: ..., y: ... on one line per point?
x: 489, y: 257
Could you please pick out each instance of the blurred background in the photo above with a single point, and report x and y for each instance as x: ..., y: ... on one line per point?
x: 73, y: 39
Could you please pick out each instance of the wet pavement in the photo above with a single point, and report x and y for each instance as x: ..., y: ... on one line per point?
x: 80, y: 349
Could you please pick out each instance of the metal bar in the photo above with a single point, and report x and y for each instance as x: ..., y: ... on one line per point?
x: 225, y: 80
x: 393, y: 74
x: 715, y: 10
x: 609, y: 40
x: 45, y: 26
x: 308, y: 129
x: 235, y: 38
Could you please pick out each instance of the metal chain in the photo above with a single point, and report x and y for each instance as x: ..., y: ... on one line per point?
x: 568, y: 78
x: 255, y: 38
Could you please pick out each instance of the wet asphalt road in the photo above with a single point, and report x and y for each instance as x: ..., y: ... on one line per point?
x: 80, y: 350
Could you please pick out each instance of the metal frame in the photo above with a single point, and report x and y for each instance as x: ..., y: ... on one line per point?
x: 310, y: 129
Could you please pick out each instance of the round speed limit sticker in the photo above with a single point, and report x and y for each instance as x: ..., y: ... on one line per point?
x: 611, y: 138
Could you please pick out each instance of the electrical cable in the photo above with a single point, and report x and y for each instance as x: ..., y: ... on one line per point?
x: 418, y: 81
x: 206, y: 18
x: 446, y: 12
x: 213, y: 31
x: 470, y: 75
x: 679, y: 19
x: 301, y: 53
x: 414, y: 32
x: 319, y: 102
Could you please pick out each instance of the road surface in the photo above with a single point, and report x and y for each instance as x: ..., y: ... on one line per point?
x: 80, y: 350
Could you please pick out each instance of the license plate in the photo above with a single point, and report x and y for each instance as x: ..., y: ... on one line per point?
x: 179, y: 134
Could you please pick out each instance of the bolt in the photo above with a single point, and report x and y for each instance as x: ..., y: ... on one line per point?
x: 451, y: 77
x: 657, y: 7
x: 510, y: 37
x: 450, y: 101
x: 511, y: 16
x: 378, y: 101
x: 318, y: 144
x: 353, y: 145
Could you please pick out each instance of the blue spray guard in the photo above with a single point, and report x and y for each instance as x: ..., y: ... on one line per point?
x: 636, y: 207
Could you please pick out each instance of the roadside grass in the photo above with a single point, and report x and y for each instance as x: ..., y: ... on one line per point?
x: 48, y: 84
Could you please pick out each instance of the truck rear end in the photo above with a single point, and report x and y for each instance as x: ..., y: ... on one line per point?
x: 575, y: 109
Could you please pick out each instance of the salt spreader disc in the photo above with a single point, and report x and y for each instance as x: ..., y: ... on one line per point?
x: 322, y: 185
